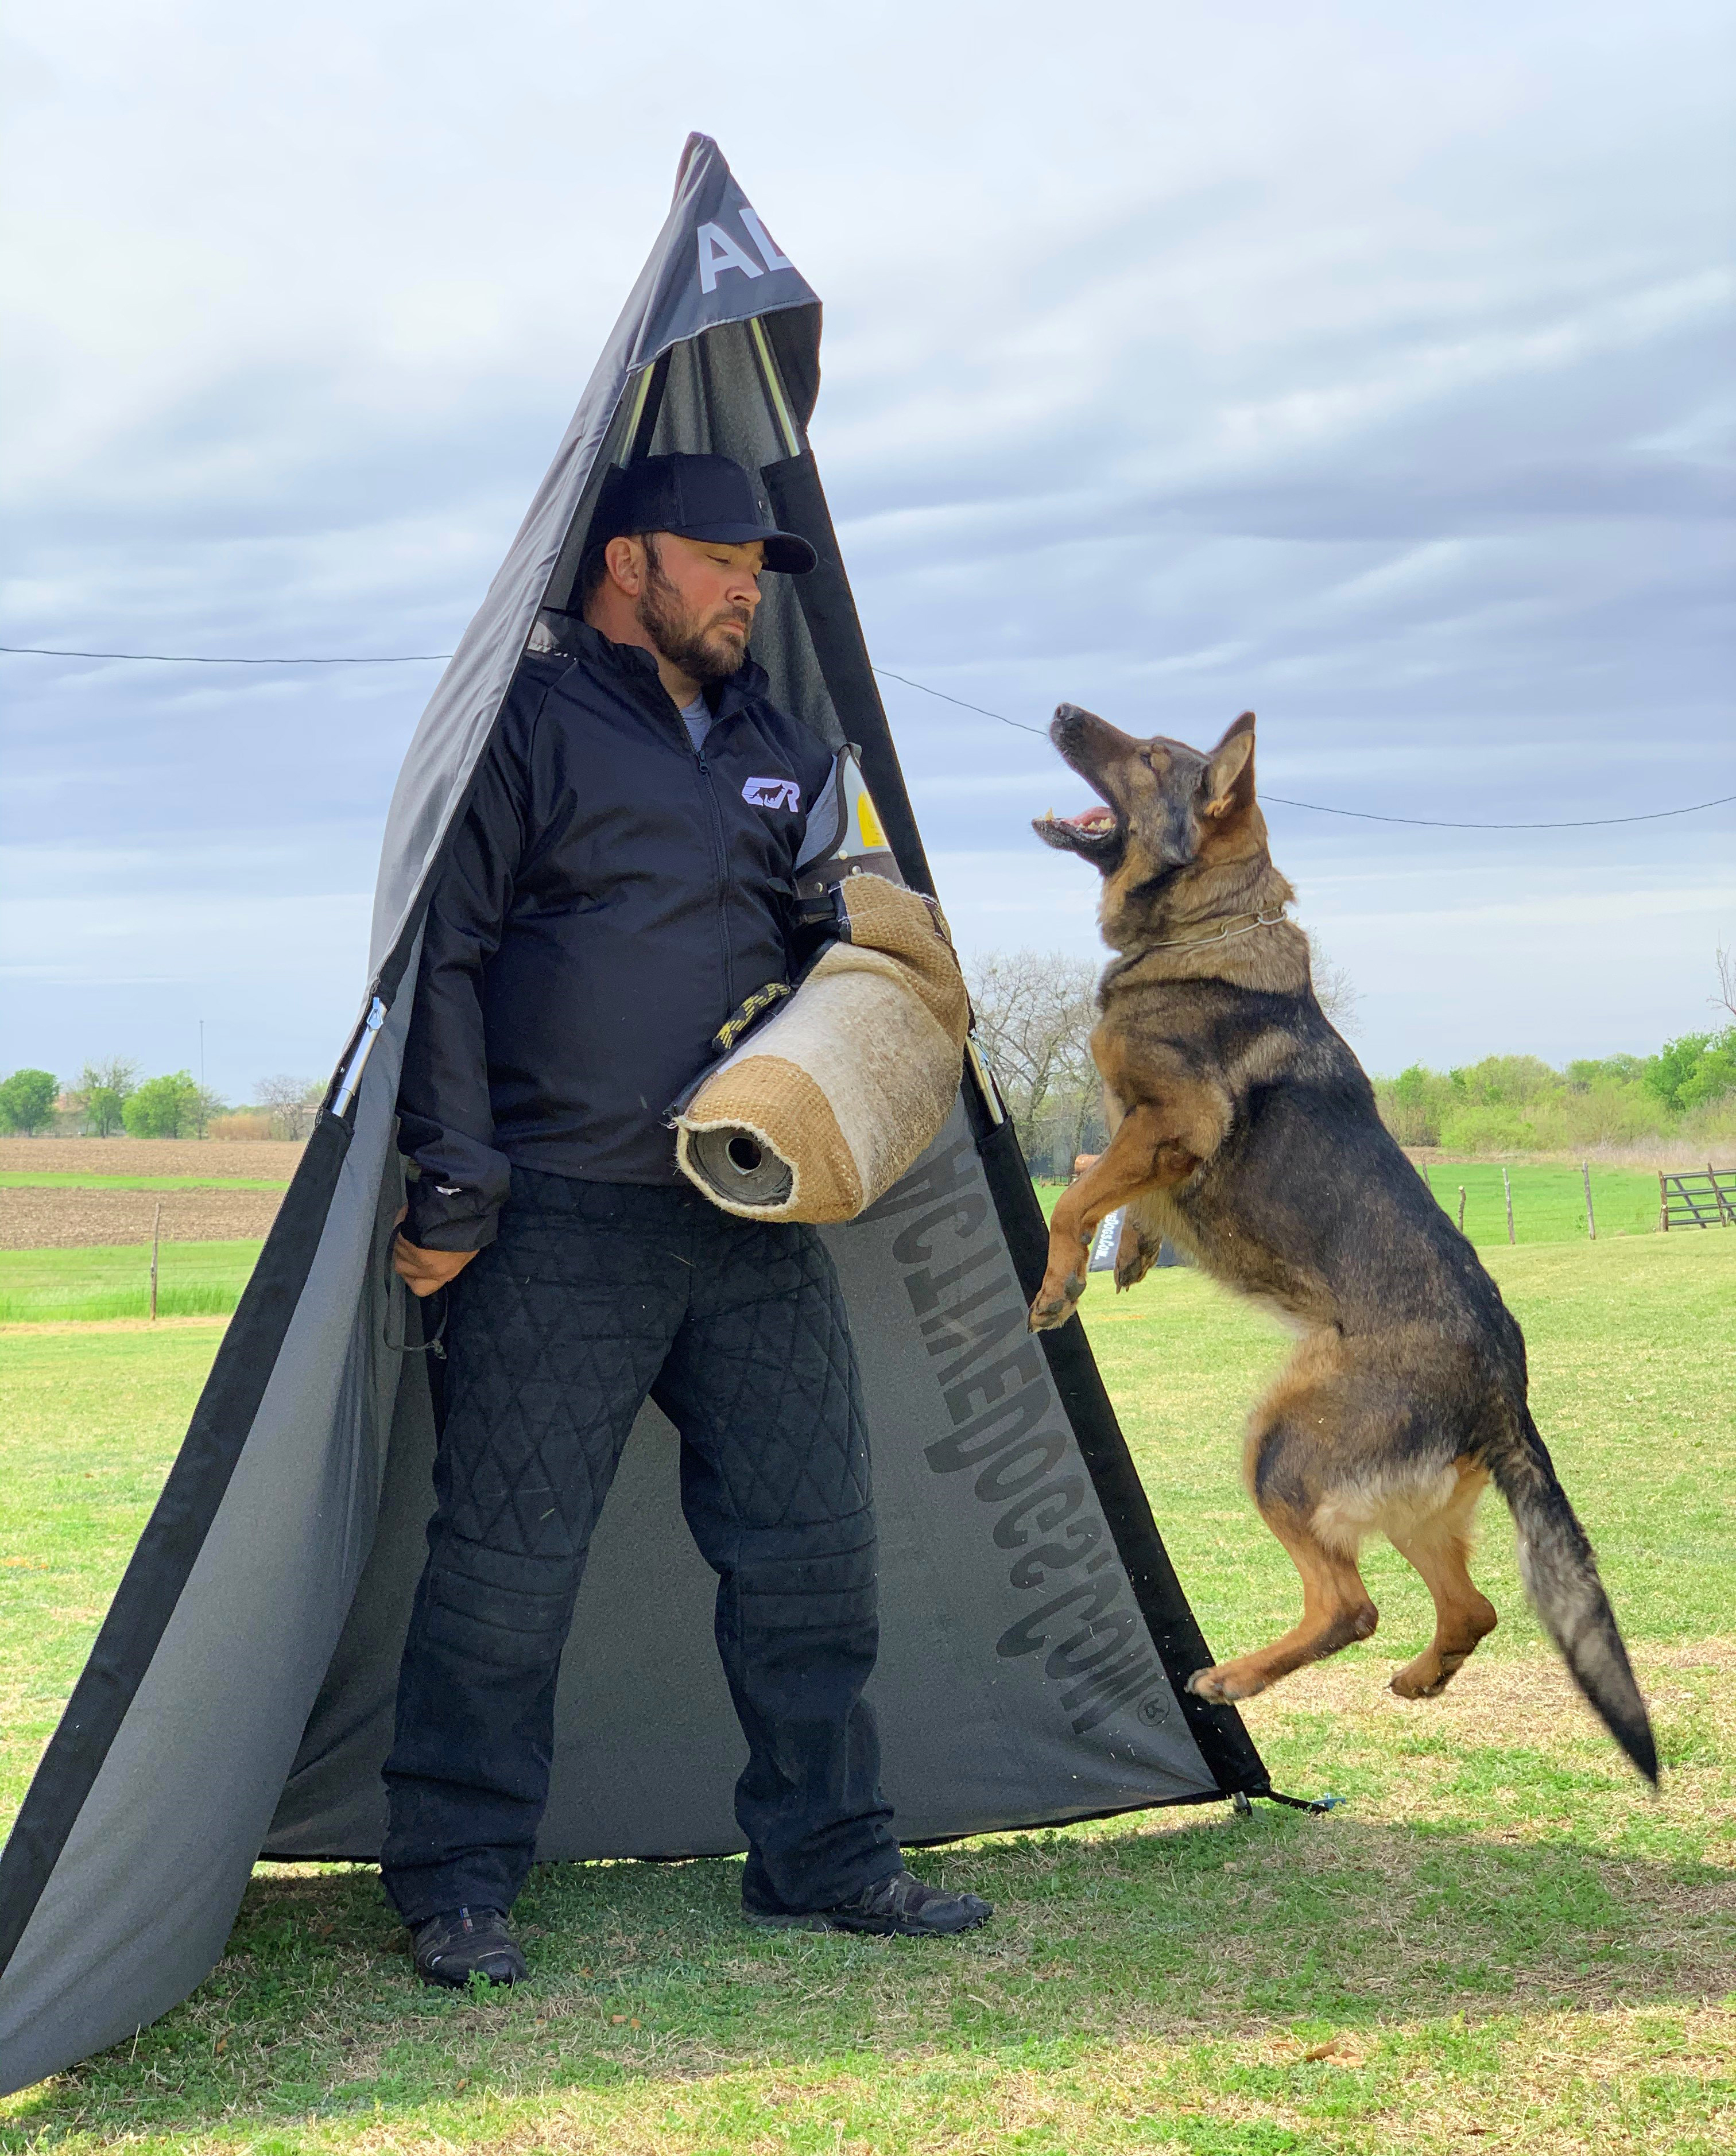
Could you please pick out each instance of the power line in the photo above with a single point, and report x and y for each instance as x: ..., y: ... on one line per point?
x: 204, y: 659
x: 983, y: 709
x: 1363, y: 815
x: 1443, y: 823
x: 1021, y: 726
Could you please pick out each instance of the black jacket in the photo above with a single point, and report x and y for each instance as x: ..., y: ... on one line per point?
x: 609, y: 899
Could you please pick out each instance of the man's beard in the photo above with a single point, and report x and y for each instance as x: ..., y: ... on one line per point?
x: 702, y: 653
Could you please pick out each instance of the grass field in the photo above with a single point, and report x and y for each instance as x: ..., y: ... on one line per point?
x: 194, y: 1279
x: 1548, y: 1199
x: 1500, y: 1941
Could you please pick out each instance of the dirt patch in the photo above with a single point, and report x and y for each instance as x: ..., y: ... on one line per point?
x: 86, y: 1325
x: 253, y: 1157
x: 76, y: 1219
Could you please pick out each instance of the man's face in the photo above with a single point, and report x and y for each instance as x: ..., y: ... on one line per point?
x: 696, y: 602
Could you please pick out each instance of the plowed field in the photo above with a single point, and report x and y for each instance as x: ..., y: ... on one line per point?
x: 69, y: 1219
x: 219, y: 1159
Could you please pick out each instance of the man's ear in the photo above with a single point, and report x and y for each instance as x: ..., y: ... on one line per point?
x: 1229, y: 780
x: 624, y: 559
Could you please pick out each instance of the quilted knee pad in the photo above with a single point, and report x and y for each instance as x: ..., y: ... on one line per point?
x: 499, y: 1610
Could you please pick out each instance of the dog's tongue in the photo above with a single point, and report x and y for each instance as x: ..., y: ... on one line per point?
x: 1096, y: 817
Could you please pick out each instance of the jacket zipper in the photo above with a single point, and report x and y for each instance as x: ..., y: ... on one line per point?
x: 720, y: 856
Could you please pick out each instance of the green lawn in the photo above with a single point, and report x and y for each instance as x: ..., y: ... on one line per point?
x: 1549, y: 1200
x: 89, y: 1422
x: 194, y: 1279
x: 22, y: 1179
x: 1500, y: 1941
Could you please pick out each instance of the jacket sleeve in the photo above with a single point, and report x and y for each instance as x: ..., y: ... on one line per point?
x: 446, y: 1122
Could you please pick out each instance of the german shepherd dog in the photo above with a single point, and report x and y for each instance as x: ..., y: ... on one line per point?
x: 1245, y: 1130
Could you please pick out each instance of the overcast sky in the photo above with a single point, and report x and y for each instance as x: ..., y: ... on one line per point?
x: 1367, y: 364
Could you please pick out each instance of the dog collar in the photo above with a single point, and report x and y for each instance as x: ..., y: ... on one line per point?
x: 1238, y: 924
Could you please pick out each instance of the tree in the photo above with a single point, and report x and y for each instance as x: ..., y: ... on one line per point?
x: 27, y: 1100
x: 1035, y: 1011
x: 204, y: 1104
x: 105, y: 1086
x: 1334, y: 991
x: 161, y: 1107
x: 291, y: 1102
x: 1697, y: 1068
x: 1725, y: 963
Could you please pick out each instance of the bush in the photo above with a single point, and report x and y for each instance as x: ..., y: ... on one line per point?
x: 167, y: 1107
x: 1412, y: 1105
x: 1518, y: 1104
x: 27, y: 1100
x: 242, y: 1124
x: 1693, y: 1072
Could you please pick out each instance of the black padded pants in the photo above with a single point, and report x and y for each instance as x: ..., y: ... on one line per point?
x: 595, y: 1296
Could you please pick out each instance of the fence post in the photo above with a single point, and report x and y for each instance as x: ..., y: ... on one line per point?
x: 1663, y: 1205
x: 156, y: 1235
x: 1461, y: 1209
x: 1591, y: 1216
x: 1506, y: 1185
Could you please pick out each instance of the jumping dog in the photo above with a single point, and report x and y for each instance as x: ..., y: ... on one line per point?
x: 1245, y: 1130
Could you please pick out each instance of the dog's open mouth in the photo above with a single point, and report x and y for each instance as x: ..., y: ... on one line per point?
x: 1099, y: 833
x: 1095, y: 832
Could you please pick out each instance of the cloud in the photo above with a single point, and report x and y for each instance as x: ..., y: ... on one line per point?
x: 1365, y: 366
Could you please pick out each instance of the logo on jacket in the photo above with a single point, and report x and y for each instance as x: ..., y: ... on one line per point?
x: 772, y: 794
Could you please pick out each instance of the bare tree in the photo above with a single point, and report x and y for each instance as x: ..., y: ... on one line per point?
x: 1725, y: 962
x: 1334, y: 990
x: 291, y: 1103
x: 1035, y: 1011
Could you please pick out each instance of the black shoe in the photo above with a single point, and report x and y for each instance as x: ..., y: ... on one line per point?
x: 460, y: 1943
x: 901, y: 1904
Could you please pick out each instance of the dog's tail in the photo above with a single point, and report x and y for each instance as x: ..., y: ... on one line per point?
x: 1560, y: 1575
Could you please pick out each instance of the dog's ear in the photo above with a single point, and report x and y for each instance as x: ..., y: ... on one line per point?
x: 1229, y: 781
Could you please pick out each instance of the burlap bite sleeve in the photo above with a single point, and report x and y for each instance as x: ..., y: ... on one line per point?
x: 833, y: 1098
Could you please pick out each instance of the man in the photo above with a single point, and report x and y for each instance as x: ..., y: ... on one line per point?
x: 622, y: 881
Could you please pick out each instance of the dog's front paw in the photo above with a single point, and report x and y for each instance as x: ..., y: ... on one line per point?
x: 1054, y: 1306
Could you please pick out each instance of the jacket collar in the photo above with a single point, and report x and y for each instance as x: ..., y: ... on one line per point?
x: 633, y: 663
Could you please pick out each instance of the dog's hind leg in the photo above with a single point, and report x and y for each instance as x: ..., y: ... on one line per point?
x: 1439, y: 1549
x: 1337, y: 1610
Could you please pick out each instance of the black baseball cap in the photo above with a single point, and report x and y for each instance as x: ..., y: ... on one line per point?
x: 695, y: 497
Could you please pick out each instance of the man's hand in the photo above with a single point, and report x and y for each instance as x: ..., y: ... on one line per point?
x: 422, y: 1271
